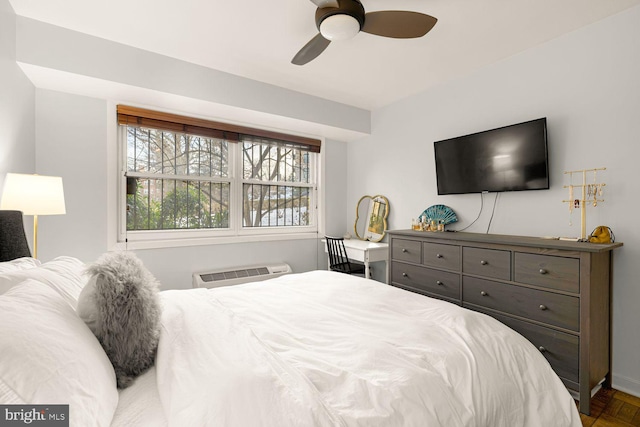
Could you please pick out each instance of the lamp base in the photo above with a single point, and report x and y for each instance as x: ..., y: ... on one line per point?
x: 35, y: 236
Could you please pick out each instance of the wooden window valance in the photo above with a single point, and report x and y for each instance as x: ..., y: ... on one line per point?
x: 133, y: 116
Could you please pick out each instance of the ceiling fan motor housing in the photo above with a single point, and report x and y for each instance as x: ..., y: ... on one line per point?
x: 346, y: 7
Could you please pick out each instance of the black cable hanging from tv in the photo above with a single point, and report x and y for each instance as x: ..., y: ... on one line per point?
x: 479, y: 213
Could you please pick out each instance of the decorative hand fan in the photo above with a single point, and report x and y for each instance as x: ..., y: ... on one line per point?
x: 440, y: 213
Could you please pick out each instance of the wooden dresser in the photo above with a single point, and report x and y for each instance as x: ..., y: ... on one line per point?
x: 555, y: 293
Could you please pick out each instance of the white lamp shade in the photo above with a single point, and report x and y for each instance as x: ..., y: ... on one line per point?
x: 33, y: 194
x: 339, y: 27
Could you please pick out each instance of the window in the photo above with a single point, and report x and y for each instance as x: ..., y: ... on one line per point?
x: 276, y: 184
x: 193, y: 178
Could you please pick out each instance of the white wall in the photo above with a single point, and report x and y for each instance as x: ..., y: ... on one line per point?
x: 335, y: 177
x: 586, y: 84
x: 17, y: 106
x: 17, y: 140
x: 71, y: 135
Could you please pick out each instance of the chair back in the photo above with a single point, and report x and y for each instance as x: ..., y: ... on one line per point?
x: 13, y: 240
x: 338, y: 260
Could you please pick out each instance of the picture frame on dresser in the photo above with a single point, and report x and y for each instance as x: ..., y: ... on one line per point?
x: 557, y: 294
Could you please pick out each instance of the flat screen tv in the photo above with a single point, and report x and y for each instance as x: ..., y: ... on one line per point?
x: 510, y: 158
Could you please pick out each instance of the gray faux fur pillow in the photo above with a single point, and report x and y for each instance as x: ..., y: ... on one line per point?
x: 120, y: 304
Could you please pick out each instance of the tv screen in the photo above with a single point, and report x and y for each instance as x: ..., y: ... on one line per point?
x: 510, y: 158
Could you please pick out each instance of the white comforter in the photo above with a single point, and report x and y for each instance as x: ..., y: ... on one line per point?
x: 328, y: 349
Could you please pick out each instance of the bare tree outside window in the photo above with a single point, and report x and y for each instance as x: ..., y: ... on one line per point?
x: 276, y: 190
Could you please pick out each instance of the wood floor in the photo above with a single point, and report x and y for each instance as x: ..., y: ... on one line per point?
x: 613, y: 408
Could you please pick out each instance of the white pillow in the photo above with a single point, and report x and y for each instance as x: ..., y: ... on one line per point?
x: 18, y: 264
x: 64, y: 274
x: 49, y: 356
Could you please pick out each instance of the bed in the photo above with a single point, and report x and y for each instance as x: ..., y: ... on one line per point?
x: 312, y: 349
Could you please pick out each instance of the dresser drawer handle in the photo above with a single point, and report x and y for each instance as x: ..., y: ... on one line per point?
x: 483, y: 293
x: 438, y: 255
x: 542, y: 349
x: 483, y: 262
x: 543, y: 307
x: 543, y: 271
x: 404, y: 274
x: 439, y: 283
x: 404, y: 249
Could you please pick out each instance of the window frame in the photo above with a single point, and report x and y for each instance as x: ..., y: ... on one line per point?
x: 257, y: 231
x: 142, y: 239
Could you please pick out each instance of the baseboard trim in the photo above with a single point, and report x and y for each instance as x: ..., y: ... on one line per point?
x: 627, y: 385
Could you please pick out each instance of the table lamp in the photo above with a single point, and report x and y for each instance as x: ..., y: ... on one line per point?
x: 33, y: 195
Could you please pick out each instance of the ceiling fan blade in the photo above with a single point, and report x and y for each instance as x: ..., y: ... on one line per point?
x: 311, y: 50
x: 398, y: 24
x: 325, y: 3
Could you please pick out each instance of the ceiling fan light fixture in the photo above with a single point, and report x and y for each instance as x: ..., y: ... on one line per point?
x: 339, y: 27
x: 343, y: 19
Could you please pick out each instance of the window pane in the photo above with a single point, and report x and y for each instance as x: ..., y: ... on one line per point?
x: 166, y: 204
x: 275, y: 205
x: 138, y: 209
x: 274, y: 162
x: 156, y: 151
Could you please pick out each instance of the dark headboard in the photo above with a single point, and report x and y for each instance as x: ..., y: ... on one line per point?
x: 13, y: 240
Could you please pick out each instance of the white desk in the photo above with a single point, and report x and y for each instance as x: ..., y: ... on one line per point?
x: 365, y: 252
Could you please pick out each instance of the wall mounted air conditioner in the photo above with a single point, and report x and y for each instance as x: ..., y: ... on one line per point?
x: 238, y: 275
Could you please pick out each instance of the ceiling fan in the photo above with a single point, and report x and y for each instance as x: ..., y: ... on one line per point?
x: 343, y: 19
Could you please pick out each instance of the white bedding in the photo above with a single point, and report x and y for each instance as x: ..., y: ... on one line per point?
x: 139, y: 405
x: 328, y: 349
x: 304, y: 350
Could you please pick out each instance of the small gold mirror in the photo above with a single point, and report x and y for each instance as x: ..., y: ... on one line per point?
x: 371, y: 218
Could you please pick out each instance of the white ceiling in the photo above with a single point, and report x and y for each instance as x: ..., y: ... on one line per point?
x: 257, y: 39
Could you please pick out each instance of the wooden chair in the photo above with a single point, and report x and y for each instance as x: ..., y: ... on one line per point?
x: 338, y: 260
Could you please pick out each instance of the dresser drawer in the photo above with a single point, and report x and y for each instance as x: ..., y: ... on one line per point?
x: 441, y: 256
x: 548, y: 271
x: 406, y: 250
x: 547, y: 307
x: 487, y: 262
x: 560, y: 349
x: 424, y: 279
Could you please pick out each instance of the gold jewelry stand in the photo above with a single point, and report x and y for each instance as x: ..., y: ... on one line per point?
x: 589, y: 194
